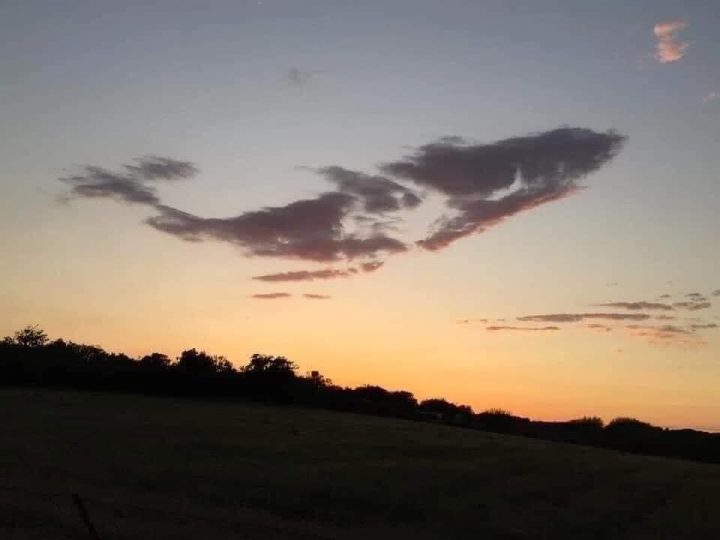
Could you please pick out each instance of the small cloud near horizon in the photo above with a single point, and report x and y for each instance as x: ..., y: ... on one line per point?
x: 642, y: 305
x: 522, y: 328
x: 271, y: 296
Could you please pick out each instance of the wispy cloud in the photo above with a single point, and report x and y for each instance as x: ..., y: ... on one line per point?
x: 271, y: 296
x: 639, y: 320
x: 131, y: 184
x: 305, y: 275
x: 693, y: 306
x: 522, y: 328
x: 669, y: 48
x: 577, y: 317
x: 711, y: 96
x: 638, y: 306
x: 313, y: 296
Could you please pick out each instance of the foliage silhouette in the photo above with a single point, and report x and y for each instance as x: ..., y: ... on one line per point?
x: 29, y: 358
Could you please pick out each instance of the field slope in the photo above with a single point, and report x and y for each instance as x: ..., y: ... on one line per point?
x: 165, y: 468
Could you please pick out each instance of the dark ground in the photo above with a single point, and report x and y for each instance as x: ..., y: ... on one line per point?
x: 166, y: 468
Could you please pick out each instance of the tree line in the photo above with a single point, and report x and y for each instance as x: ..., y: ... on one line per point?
x: 29, y: 358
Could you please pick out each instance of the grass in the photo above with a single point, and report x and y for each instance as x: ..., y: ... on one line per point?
x: 165, y: 468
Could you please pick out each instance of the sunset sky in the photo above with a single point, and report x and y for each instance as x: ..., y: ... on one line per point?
x: 508, y: 204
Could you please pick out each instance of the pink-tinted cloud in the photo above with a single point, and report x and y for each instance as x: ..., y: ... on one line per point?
x: 669, y: 48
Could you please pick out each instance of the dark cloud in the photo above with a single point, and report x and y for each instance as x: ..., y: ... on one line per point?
x: 371, y: 266
x: 99, y: 183
x: 716, y: 292
x: 692, y: 306
x: 377, y: 193
x: 665, y: 317
x: 638, y: 306
x: 310, y: 229
x: 272, y: 296
x: 705, y: 326
x: 523, y: 328
x: 129, y: 186
x: 316, y: 296
x: 665, y: 296
x: 696, y: 297
x: 535, y: 168
x: 485, y: 184
x: 577, y: 317
x: 305, y: 275
x: 161, y: 168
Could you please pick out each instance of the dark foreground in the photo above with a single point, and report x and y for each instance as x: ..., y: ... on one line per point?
x: 164, y: 468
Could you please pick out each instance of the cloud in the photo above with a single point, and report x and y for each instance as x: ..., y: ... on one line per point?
x: 371, y: 266
x: 705, y: 326
x: 161, y: 168
x: 600, y: 327
x: 317, y: 296
x: 522, y: 328
x: 305, y: 275
x: 310, y: 229
x: 271, y: 296
x: 696, y: 297
x: 299, y: 77
x: 577, y: 317
x: 712, y: 96
x: 377, y: 193
x: 716, y: 292
x: 665, y: 296
x: 128, y: 186
x: 484, y: 185
x: 468, y: 321
x: 488, y: 183
x: 693, y: 306
x: 665, y: 334
x: 669, y: 48
x: 638, y: 306
x: 99, y: 183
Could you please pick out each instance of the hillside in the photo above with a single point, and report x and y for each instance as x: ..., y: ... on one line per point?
x: 167, y: 468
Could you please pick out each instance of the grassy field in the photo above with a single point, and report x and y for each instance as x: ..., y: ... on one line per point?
x: 164, y: 468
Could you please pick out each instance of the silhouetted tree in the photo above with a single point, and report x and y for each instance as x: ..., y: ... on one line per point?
x: 29, y: 359
x: 155, y: 361
x: 31, y: 336
x: 277, y: 366
x: 193, y: 362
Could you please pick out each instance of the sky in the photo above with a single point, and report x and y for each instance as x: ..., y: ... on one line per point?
x: 508, y: 204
